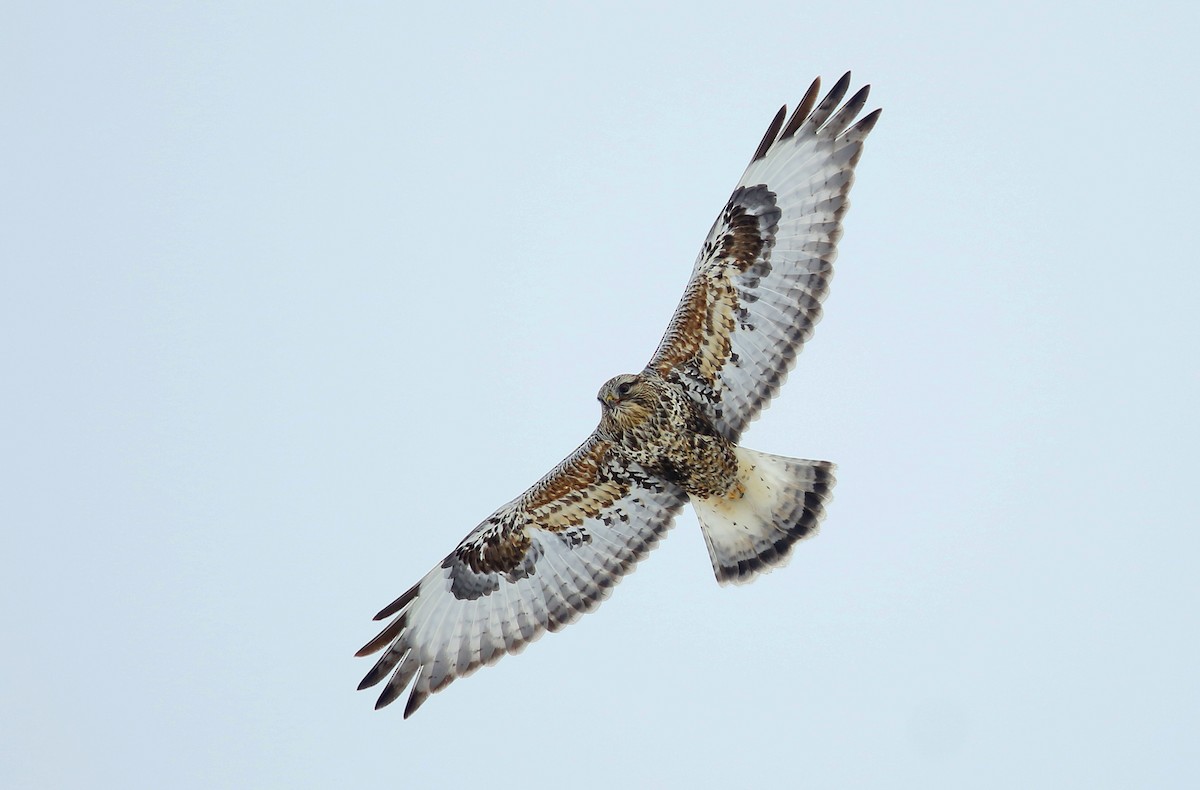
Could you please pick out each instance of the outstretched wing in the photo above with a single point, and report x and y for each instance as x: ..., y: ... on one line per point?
x: 534, y: 565
x: 756, y: 290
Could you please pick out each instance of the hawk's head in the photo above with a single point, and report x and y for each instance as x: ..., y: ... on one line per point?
x: 626, y: 400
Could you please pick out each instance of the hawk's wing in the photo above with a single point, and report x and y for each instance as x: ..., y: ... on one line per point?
x: 534, y: 565
x: 756, y: 290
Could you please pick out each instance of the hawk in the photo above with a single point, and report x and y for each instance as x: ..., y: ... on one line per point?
x: 667, y: 435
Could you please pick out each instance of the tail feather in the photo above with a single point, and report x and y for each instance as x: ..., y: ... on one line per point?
x: 778, y: 502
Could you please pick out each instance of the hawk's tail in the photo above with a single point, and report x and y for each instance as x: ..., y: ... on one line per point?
x: 778, y: 501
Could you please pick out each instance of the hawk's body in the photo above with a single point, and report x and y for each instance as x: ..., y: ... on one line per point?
x: 654, y: 424
x: 666, y: 435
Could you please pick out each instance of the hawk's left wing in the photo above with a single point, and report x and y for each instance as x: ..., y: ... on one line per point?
x: 756, y: 290
x: 534, y: 565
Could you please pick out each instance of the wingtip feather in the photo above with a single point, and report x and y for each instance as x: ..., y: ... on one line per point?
x: 868, y: 122
x: 384, y: 637
x: 800, y: 115
x: 830, y: 102
x: 398, y: 604
x: 387, y: 696
x: 769, y: 138
x: 415, y: 700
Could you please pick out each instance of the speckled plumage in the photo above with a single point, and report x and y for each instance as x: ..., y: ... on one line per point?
x: 657, y: 426
x: 667, y: 435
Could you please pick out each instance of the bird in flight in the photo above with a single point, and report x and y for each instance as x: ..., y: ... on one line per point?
x: 667, y: 435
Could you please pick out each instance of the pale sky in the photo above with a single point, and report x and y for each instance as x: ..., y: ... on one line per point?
x: 293, y: 295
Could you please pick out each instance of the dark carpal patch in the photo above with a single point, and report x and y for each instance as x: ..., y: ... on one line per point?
x: 499, y: 548
x: 751, y: 219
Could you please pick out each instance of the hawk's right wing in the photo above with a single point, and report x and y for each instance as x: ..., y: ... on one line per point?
x: 534, y: 565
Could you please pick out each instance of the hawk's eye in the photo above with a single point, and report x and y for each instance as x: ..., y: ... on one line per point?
x: 623, y: 389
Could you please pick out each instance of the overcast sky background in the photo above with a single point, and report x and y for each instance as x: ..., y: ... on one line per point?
x: 293, y: 295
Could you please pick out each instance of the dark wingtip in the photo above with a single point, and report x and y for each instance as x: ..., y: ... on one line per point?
x: 384, y: 637
x: 398, y: 604
x: 415, y: 700
x: 869, y: 120
x: 853, y: 106
x: 389, y: 694
x: 836, y: 94
x: 769, y: 138
x: 860, y: 96
x: 803, y: 109
x: 377, y: 673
